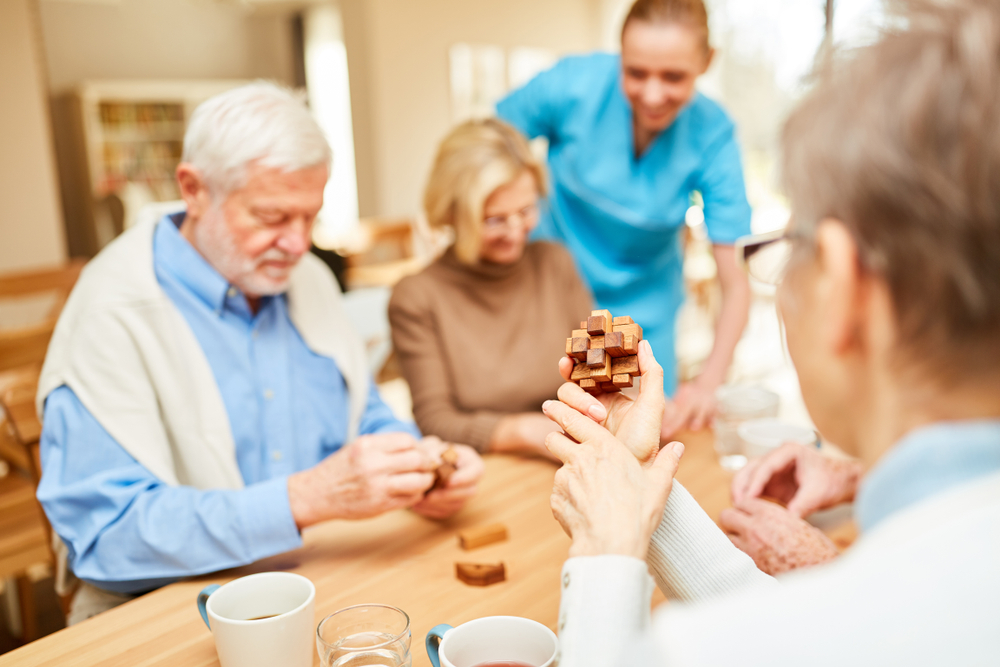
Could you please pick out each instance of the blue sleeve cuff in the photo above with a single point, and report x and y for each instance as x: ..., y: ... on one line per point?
x: 265, y: 517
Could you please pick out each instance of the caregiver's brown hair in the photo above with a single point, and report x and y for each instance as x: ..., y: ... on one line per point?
x: 903, y: 147
x: 688, y: 12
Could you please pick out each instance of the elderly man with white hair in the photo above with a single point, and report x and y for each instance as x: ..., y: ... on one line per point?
x: 204, y: 396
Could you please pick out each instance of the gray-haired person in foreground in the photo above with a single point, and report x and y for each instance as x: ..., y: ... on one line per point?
x: 204, y: 395
x: 891, y: 302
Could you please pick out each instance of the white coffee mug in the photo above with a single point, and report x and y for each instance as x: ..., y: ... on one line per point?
x: 261, y: 620
x: 492, y: 639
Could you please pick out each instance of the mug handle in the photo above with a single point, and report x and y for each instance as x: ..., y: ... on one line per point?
x: 203, y: 600
x: 433, y: 641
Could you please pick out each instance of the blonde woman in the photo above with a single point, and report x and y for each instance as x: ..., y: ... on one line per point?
x: 479, y: 332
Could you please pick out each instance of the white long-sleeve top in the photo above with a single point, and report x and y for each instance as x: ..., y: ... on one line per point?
x: 921, y: 586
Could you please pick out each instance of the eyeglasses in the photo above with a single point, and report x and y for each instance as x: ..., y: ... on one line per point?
x: 498, y: 223
x: 765, y: 257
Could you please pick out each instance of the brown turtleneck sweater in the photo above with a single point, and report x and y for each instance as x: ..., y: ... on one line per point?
x: 479, y: 342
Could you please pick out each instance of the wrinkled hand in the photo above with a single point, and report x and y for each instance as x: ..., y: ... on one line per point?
x: 799, y: 477
x: 372, y: 475
x: 636, y: 423
x: 693, y: 407
x: 605, y: 500
x: 444, y: 502
x: 776, y: 539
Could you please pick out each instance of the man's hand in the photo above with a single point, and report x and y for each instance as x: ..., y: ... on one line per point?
x: 693, y: 407
x: 799, y: 477
x: 635, y: 423
x: 442, y: 503
x: 370, y: 476
x: 604, y: 499
x: 776, y: 539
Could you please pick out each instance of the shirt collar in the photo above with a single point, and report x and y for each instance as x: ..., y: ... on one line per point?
x: 925, y: 462
x: 175, y: 256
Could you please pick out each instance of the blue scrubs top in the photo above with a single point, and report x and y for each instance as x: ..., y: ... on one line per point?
x: 619, y: 215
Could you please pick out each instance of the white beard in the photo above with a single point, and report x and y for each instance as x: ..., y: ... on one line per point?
x: 213, y: 240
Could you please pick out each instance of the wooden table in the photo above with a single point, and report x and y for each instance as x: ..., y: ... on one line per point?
x: 399, y: 559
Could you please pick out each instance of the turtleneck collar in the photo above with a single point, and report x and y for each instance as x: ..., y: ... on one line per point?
x: 481, y: 269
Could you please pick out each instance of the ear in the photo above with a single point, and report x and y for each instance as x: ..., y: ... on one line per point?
x: 709, y: 57
x: 194, y: 190
x: 841, y: 287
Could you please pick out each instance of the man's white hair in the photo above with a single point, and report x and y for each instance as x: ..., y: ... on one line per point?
x: 258, y: 122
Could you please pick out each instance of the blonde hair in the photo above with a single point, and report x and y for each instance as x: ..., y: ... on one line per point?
x: 473, y: 160
x: 901, y: 143
x: 689, y: 12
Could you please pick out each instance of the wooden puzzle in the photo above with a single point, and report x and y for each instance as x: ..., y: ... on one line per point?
x: 449, y: 461
x: 476, y: 574
x: 604, y: 351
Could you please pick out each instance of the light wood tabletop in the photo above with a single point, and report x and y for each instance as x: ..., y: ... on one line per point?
x: 399, y: 559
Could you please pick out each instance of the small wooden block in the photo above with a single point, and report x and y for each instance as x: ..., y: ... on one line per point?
x: 599, y: 322
x: 478, y: 574
x: 625, y: 365
x: 621, y: 381
x: 583, y: 325
x: 597, y: 342
x: 624, y: 319
x: 589, y: 385
x: 577, y: 347
x: 630, y: 344
x: 602, y: 373
x: 449, y: 459
x: 609, y: 387
x: 633, y: 329
x: 580, y: 372
x: 580, y: 333
x: 614, y: 344
x: 596, y: 358
x: 480, y: 536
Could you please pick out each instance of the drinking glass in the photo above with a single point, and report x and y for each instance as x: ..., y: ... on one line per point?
x: 365, y: 634
x: 738, y: 404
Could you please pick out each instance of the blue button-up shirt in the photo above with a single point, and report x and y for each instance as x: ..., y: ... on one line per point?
x: 129, y: 532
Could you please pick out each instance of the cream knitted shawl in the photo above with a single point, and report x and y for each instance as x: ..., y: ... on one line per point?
x: 130, y: 357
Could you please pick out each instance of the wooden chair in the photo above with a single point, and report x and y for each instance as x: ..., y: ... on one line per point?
x: 25, y: 534
x: 26, y: 345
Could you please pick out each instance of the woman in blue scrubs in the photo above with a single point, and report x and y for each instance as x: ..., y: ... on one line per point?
x: 630, y: 140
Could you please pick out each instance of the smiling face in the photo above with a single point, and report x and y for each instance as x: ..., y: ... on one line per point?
x: 660, y: 64
x: 257, y: 235
x: 509, y: 215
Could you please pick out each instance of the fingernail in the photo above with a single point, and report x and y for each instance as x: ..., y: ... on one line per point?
x: 596, y: 412
x: 678, y: 449
x: 645, y: 344
x: 545, y: 406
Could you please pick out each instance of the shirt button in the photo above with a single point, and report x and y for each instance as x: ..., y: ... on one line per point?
x: 231, y: 292
x: 268, y: 394
x: 276, y: 455
x: 566, y: 580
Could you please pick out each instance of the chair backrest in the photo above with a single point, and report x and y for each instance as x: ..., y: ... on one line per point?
x: 25, y: 345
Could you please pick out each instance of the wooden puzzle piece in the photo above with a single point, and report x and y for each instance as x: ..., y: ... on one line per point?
x: 604, y: 350
x: 477, y: 574
x: 449, y: 461
x: 480, y: 536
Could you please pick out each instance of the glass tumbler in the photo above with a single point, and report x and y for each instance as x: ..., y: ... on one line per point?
x: 365, y: 634
x: 738, y: 404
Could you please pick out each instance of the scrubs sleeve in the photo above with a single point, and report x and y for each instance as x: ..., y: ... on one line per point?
x: 727, y: 212
x: 536, y: 108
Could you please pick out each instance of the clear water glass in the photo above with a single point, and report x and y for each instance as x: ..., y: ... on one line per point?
x: 738, y: 404
x: 366, y: 634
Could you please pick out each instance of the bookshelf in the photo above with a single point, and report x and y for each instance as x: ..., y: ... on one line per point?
x: 117, y: 144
